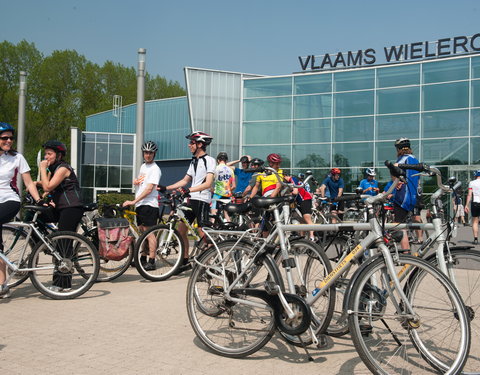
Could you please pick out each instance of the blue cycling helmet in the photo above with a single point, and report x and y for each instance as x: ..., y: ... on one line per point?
x: 4, y: 127
x: 476, y: 173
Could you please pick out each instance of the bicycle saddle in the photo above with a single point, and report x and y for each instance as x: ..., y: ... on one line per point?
x: 237, y: 208
x: 262, y: 202
x: 90, y: 206
x: 36, y: 208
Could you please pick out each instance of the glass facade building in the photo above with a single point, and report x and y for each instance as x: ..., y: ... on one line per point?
x: 351, y: 118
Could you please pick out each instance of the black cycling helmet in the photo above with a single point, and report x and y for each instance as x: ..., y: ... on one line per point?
x: 4, y: 127
x: 257, y: 161
x: 222, y: 156
x: 56, y: 146
x: 199, y: 136
x: 149, y: 146
x: 402, y: 143
x: 244, y: 159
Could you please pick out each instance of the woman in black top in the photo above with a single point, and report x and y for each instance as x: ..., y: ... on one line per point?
x: 62, y: 183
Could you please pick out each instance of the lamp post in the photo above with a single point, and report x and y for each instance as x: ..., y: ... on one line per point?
x: 140, y: 121
x: 21, y: 121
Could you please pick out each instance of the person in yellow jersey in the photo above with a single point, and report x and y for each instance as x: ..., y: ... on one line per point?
x: 269, y: 182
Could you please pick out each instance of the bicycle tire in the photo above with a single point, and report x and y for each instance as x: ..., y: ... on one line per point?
x: 168, y: 253
x: 464, y: 266
x: 14, y: 241
x: 234, y: 330
x: 76, y: 272
x: 399, y: 344
x: 109, y: 269
x: 311, y: 267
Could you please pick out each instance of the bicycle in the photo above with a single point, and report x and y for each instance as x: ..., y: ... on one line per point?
x: 61, y: 257
x: 377, y: 297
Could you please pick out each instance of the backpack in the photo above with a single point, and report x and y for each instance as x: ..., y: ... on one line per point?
x: 113, y: 239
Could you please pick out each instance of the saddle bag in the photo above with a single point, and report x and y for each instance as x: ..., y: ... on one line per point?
x: 113, y: 239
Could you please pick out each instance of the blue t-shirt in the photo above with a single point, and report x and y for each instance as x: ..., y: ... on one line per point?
x: 333, y: 186
x: 243, y: 178
x: 406, y: 196
x: 365, y: 184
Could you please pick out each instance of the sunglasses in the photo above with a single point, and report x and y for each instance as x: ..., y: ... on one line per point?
x: 6, y: 138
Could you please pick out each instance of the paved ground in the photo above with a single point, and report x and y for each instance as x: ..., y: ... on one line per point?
x: 132, y: 326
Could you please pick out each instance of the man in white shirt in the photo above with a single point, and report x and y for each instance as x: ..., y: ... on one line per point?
x: 474, y: 198
x: 200, y: 175
x: 146, y: 199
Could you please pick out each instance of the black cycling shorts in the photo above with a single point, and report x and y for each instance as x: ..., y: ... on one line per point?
x: 305, y: 207
x: 200, y: 211
x: 400, y: 214
x: 147, y: 216
x: 475, y: 209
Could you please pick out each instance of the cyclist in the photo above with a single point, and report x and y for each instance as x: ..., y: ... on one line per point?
x: 406, y: 194
x: 369, y: 184
x: 334, y: 185
x: 224, y: 181
x: 254, y: 164
x: 200, y: 175
x: 59, y: 179
x: 303, y: 198
x: 269, y: 184
x: 11, y: 164
x: 243, y: 177
x: 146, y: 199
x: 473, y: 197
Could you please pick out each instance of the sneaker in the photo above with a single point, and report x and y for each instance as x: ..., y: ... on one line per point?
x: 149, y: 266
x: 475, y: 241
x: 55, y: 288
x: 184, y: 267
x: 5, y: 291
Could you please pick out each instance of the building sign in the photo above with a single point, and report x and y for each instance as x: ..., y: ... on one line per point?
x: 404, y: 52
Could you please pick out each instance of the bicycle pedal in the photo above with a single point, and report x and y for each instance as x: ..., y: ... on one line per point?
x: 215, y: 290
x: 322, y: 341
x: 271, y: 287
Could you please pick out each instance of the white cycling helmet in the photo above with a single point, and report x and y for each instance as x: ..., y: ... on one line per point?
x: 150, y: 146
x: 370, y: 172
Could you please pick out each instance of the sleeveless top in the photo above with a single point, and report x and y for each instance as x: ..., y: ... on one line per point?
x: 67, y: 194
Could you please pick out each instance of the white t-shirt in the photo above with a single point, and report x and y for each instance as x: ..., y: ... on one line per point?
x: 198, y: 170
x: 475, y: 186
x: 149, y: 174
x: 10, y: 168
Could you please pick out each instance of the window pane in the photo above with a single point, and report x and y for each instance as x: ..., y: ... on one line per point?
x: 309, y: 131
x: 354, y: 80
x: 127, y: 138
x: 102, y: 137
x: 313, y: 106
x: 262, y: 152
x: 311, y: 156
x: 446, y: 96
x: 475, y: 150
x: 475, y: 122
x: 386, y: 151
x: 87, y: 175
x: 445, y: 151
x: 88, y: 153
x: 268, y: 109
x: 267, y: 132
x: 127, y: 179
x: 101, y: 153
x: 397, y: 126
x: 353, y: 129
x: 476, y: 93
x: 116, y: 138
x: 312, y: 84
x: 113, y: 176
x: 88, y: 137
x: 127, y: 155
x: 101, y: 177
x: 354, y: 103
x: 353, y: 154
x: 445, y: 124
x: 114, y: 154
x: 267, y: 87
x: 443, y: 71
x: 475, y: 67
x: 405, y: 99
x: 398, y: 76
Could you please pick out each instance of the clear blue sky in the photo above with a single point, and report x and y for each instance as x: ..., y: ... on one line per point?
x: 262, y: 37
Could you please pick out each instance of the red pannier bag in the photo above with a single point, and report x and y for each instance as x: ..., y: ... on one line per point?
x: 113, y: 239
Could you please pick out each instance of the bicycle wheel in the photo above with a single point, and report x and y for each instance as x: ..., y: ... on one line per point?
x: 110, y: 269
x: 231, y: 329
x: 311, y: 267
x: 389, y: 340
x: 14, y: 241
x: 168, y: 252
x: 464, y: 268
x: 71, y: 275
